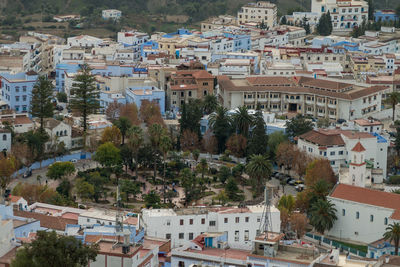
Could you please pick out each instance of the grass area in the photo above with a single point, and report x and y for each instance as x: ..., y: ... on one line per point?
x: 355, y: 246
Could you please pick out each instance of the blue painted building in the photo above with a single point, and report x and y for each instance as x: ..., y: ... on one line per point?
x: 241, y: 41
x: 385, y: 15
x: 16, y: 89
x: 149, y: 48
x: 61, y: 71
x: 138, y: 94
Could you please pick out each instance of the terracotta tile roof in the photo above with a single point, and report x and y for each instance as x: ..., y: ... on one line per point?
x: 356, y: 135
x: 131, y: 220
x: 202, y: 74
x: 14, y: 199
x: 369, y: 197
x: 326, y: 84
x: 365, y: 122
x: 270, y: 80
x: 323, y: 137
x: 358, y: 147
x: 51, y: 222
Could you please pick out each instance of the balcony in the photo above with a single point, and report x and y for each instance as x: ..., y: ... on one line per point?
x: 310, y: 102
x: 332, y: 106
x: 275, y: 100
x: 249, y: 100
x: 320, y: 104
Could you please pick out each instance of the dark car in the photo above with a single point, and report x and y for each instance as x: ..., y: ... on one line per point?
x: 27, y: 174
x: 340, y: 121
x: 59, y: 108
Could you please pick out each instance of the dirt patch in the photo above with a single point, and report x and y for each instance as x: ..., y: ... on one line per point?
x: 176, y: 18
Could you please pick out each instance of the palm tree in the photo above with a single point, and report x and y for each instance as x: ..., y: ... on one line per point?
x: 202, y: 167
x: 243, y: 121
x: 220, y: 122
x: 322, y: 215
x: 393, y: 99
x: 135, y: 134
x: 123, y: 125
x: 210, y: 104
x: 259, y: 168
x: 156, y: 131
x: 393, y: 235
x: 165, y: 146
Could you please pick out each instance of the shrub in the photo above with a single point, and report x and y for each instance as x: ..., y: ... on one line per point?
x: 395, y: 179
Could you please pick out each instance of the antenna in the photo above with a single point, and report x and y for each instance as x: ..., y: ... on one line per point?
x: 266, y: 220
x: 119, y: 216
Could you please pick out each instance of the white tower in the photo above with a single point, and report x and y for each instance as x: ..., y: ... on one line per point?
x: 358, y: 166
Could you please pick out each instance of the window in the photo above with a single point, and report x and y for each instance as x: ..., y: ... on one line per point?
x: 332, y: 153
x: 191, y: 221
x: 343, y: 212
x: 246, y: 235
x: 246, y: 219
x: 203, y: 221
x: 190, y: 236
x: 4, y: 137
x: 225, y: 220
x: 88, y: 220
x: 357, y: 215
x: 341, y: 152
x: 190, y: 93
x: 181, y: 222
x: 205, y: 83
x: 371, y: 218
x: 237, y: 219
x: 212, y: 223
x: 236, y: 236
x: 181, y: 235
x: 16, y: 88
x: 168, y: 236
x: 258, y: 219
x: 168, y: 223
x: 17, y: 98
x: 98, y: 221
x: 24, y: 98
x: 386, y: 221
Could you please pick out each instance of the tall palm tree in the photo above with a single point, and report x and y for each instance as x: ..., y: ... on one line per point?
x: 135, y: 135
x: 243, y: 121
x: 220, y: 122
x: 393, y: 99
x: 393, y: 235
x: 322, y: 215
x: 210, y: 104
x: 123, y: 125
x: 165, y: 146
x: 202, y: 167
x: 156, y: 131
x: 259, y: 169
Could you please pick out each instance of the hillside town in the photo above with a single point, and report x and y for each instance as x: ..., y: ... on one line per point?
x: 254, y: 140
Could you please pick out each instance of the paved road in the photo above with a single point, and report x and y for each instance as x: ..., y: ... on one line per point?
x: 289, y: 189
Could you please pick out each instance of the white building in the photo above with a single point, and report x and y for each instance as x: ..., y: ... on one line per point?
x: 84, y: 41
x: 368, y: 125
x: 181, y: 226
x: 345, y: 14
x: 336, y: 144
x: 103, y: 217
x: 58, y: 132
x: 260, y: 12
x: 363, y: 214
x: 132, y: 38
x: 111, y: 14
x: 5, y: 140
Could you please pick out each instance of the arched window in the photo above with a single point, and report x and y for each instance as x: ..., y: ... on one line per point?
x: 4, y: 137
x: 65, y: 132
x: 386, y: 221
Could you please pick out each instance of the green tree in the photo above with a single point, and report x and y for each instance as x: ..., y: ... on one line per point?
x: 202, y: 167
x: 153, y: 200
x: 41, y: 103
x: 189, y: 184
x: 190, y: 117
x: 84, y: 189
x: 258, y: 141
x: 135, y: 134
x: 322, y: 215
x: 259, y: 169
x: 59, y: 170
x: 393, y: 99
x: 283, y: 20
x: 64, y: 188
x: 129, y: 188
x: 222, y: 197
x: 35, y: 142
x: 274, y: 139
x: 223, y: 174
x: 156, y: 131
x: 123, y: 124
x: 371, y: 9
x: 85, y: 95
x: 62, y: 97
x: 232, y: 190
x: 324, y: 26
x: 165, y: 146
x: 287, y: 202
x: 323, y: 123
x: 210, y: 103
x: 220, y: 122
x: 393, y: 235
x: 242, y: 121
x: 107, y: 155
x: 50, y: 249
x: 298, y: 126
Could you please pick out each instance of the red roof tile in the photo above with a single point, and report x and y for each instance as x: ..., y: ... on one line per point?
x: 358, y: 147
x: 369, y: 197
x: 51, y: 222
x: 323, y: 137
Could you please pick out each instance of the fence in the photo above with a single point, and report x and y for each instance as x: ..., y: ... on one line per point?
x: 47, y: 162
x: 335, y: 244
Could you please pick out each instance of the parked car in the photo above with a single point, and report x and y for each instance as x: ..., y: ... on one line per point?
x: 74, y: 160
x: 27, y: 173
x: 292, y: 182
x: 297, y: 182
x: 59, y: 108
